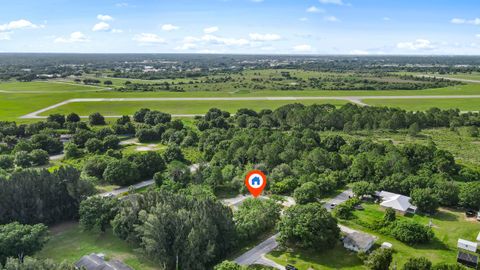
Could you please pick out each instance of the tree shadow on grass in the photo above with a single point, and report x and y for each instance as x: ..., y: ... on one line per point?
x: 336, y: 258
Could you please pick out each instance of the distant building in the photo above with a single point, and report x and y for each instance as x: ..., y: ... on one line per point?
x: 358, y: 242
x: 397, y: 202
x: 467, y: 253
x: 97, y: 262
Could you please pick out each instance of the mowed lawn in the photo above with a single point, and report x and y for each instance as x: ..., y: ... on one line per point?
x: 178, y: 107
x: 463, y: 104
x: 448, y: 226
x: 69, y: 243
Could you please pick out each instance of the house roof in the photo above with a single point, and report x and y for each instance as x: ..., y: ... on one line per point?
x: 395, y: 201
x: 468, y: 258
x: 467, y: 245
x: 360, y: 240
x: 95, y: 262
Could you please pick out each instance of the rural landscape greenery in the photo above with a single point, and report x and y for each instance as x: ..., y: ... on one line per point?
x: 317, y: 126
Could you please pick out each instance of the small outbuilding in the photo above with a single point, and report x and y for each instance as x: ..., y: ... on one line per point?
x: 97, y: 262
x: 358, y: 242
x: 387, y: 245
x: 467, y: 245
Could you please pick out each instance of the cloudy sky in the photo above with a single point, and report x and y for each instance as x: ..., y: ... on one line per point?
x: 242, y: 26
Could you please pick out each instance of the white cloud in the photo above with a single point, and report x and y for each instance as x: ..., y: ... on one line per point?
x: 169, y: 27
x: 120, y: 5
x: 5, y: 35
x: 19, y: 24
x: 104, y: 17
x: 359, y: 52
x: 331, y: 19
x: 303, y: 48
x: 335, y: 2
x: 477, y: 35
x: 101, y: 26
x: 210, y: 30
x: 475, y: 21
x: 303, y: 19
x: 264, y: 37
x: 186, y: 47
x: 148, y: 38
x: 419, y: 44
x: 73, y: 38
x: 225, y: 41
x: 314, y: 9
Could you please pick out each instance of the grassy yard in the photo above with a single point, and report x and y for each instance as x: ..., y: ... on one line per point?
x: 69, y: 242
x: 337, y: 258
x: 448, y: 225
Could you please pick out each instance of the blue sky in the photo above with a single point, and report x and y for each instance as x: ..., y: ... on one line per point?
x: 242, y: 26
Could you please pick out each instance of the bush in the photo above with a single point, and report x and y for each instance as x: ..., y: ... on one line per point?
x: 255, y: 217
x: 470, y: 195
x: 111, y: 142
x: 420, y: 263
x: 379, y: 259
x: 57, y: 118
x: 345, y: 210
x: 308, y: 226
x: 306, y: 193
x: 425, y: 199
x: 72, y: 151
x: 411, y: 232
x: 23, y: 159
x: 121, y: 172
x: 173, y: 152
x: 73, y: 118
x: 96, y: 119
x: 95, y: 166
x: 146, y: 135
x: 39, y: 157
x: 6, y: 162
x: 94, y: 145
x: 149, y: 163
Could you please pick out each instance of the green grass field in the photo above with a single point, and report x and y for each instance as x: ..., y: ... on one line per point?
x: 69, y: 243
x: 177, y: 107
x: 471, y: 104
x: 448, y: 226
x: 38, y: 95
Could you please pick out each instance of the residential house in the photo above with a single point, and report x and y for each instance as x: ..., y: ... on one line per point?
x: 358, y: 242
x: 397, y: 202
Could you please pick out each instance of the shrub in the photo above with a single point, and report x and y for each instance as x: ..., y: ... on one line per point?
x: 411, y: 232
x: 121, y: 172
x: 96, y: 119
x: 420, y: 263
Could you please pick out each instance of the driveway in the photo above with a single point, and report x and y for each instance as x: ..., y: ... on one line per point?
x: 257, y: 254
x: 340, y: 198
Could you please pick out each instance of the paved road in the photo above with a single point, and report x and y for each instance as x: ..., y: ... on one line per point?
x: 353, y: 99
x: 257, y: 254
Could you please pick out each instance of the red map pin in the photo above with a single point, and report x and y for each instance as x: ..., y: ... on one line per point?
x: 255, y: 182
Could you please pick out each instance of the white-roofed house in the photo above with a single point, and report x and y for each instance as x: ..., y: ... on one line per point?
x: 397, y: 202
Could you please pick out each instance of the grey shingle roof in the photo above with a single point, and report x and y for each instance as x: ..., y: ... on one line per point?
x: 94, y: 262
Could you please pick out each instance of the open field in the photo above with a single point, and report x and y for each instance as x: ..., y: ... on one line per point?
x: 448, y: 225
x: 38, y: 95
x: 463, y: 104
x: 463, y: 147
x: 69, y: 242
